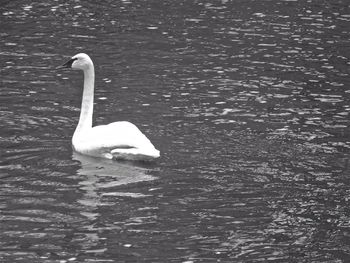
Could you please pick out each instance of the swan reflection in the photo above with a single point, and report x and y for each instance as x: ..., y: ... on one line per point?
x: 98, y: 178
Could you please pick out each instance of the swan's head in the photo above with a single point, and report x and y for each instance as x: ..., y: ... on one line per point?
x: 79, y: 61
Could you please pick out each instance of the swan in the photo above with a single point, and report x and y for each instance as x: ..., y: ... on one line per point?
x: 117, y: 140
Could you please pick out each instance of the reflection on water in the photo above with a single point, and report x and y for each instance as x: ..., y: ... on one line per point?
x: 98, y: 179
x: 99, y: 175
x: 248, y: 102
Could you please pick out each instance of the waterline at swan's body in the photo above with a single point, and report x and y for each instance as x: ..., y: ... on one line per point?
x: 117, y: 140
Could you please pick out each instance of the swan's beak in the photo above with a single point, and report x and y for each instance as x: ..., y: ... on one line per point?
x: 68, y: 64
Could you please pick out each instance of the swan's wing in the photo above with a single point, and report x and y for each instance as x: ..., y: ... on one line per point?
x: 119, y: 140
x: 119, y: 135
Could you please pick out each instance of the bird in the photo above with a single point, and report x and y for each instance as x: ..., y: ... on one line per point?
x: 119, y: 140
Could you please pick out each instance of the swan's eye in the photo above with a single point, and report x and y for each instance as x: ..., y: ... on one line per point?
x: 68, y: 64
x: 72, y: 60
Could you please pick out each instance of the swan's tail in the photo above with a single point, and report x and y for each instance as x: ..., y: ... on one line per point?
x: 135, y: 154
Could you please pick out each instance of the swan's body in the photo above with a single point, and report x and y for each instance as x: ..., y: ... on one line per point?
x: 117, y: 140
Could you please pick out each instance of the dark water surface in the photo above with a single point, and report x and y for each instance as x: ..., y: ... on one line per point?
x: 248, y: 102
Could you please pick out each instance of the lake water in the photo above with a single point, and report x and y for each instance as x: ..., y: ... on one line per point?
x: 248, y: 102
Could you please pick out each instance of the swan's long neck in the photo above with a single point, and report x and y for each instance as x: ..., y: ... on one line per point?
x: 87, y: 105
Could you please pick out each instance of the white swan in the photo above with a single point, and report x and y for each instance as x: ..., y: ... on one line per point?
x: 117, y: 140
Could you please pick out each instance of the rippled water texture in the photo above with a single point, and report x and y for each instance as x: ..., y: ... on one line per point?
x: 248, y: 102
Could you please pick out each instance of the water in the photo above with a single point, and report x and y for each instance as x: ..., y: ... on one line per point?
x: 248, y: 102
